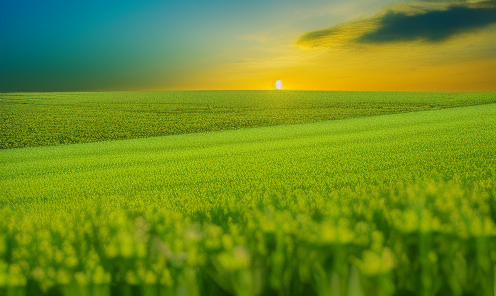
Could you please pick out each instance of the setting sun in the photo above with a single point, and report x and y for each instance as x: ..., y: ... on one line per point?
x: 151, y: 148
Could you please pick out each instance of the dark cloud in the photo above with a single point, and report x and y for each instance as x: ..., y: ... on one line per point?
x: 434, y: 21
x: 430, y: 26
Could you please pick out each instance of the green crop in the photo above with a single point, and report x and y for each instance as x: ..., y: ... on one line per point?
x: 400, y: 204
x: 41, y: 119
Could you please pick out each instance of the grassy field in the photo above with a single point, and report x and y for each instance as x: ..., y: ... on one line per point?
x: 41, y: 119
x: 400, y: 204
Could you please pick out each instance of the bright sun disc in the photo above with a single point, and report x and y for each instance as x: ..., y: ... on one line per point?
x: 278, y: 84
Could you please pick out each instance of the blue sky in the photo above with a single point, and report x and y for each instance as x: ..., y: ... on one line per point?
x: 142, y: 45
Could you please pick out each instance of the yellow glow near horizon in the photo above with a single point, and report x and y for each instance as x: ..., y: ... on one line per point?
x: 461, y: 63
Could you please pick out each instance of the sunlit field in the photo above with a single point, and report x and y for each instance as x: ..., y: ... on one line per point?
x: 41, y: 119
x: 248, y: 196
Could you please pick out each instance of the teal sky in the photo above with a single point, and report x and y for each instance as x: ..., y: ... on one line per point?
x: 154, y: 45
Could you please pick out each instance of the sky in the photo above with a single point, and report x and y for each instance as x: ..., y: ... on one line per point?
x: 357, y: 45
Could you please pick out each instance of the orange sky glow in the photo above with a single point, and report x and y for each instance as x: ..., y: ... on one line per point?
x: 356, y: 45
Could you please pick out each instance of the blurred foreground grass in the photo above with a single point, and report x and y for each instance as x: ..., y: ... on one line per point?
x: 389, y: 205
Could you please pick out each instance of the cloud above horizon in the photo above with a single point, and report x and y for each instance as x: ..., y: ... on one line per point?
x: 424, y: 21
x: 396, y: 45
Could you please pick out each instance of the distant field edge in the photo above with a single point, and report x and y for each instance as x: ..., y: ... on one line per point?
x: 51, y: 119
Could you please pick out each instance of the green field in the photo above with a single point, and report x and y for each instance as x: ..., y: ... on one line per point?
x: 398, y: 204
x: 41, y: 119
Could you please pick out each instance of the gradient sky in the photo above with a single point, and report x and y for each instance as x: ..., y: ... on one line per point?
x: 194, y: 45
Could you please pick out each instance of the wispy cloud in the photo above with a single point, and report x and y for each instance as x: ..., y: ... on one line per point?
x: 430, y: 26
x: 430, y: 21
x: 336, y: 36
